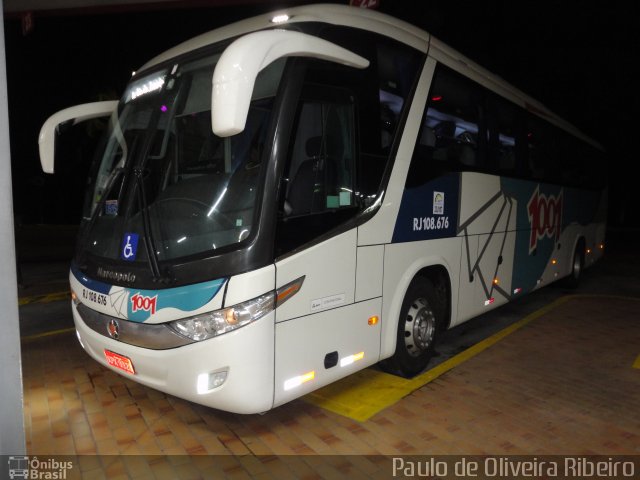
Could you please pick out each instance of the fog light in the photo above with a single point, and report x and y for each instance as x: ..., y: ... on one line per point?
x: 211, y: 381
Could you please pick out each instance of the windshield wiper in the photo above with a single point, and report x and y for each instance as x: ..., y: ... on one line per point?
x: 84, y: 233
x: 149, y: 243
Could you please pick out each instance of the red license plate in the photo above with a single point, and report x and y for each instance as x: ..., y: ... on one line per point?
x: 119, y: 361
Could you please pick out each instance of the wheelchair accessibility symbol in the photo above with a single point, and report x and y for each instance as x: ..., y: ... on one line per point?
x: 129, y: 247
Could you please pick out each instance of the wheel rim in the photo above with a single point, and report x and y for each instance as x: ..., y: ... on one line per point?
x: 419, y: 328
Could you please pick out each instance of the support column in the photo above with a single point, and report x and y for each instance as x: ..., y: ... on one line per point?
x: 12, y: 438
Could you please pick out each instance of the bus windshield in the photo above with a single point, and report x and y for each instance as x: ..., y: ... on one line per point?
x: 164, y: 181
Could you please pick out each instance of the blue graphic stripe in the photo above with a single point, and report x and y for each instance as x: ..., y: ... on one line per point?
x: 186, y: 299
x: 142, y: 303
x: 428, y: 211
x: 91, y: 284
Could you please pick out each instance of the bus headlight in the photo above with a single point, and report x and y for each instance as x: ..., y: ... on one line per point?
x: 212, y: 324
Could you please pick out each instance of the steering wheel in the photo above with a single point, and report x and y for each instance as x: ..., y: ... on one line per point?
x: 194, y: 207
x: 467, y: 138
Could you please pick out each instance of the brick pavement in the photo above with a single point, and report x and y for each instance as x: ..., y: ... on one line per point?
x: 564, y: 384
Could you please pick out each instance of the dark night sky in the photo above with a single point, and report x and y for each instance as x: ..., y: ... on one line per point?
x: 578, y: 58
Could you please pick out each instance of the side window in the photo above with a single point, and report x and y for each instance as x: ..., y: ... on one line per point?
x: 573, y: 162
x: 582, y: 164
x: 397, y: 69
x: 318, y: 191
x: 347, y: 122
x: 381, y: 92
x: 452, y: 136
x: 321, y: 168
x: 556, y: 156
x: 594, y: 166
x: 542, y: 150
x: 505, y: 136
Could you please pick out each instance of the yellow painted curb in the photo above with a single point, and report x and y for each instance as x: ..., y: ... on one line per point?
x: 46, y: 334
x: 51, y: 297
x: 367, y: 392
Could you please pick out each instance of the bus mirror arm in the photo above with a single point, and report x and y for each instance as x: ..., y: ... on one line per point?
x: 235, y: 74
x: 76, y: 114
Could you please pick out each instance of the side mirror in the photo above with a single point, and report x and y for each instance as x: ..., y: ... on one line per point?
x: 239, y: 65
x: 79, y: 113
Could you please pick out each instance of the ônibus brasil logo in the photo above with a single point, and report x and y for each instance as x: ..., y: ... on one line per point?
x: 141, y: 302
x: 545, y: 217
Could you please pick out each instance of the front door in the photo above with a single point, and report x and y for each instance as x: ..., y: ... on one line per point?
x: 322, y: 334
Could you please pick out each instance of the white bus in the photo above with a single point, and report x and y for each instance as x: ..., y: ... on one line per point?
x: 294, y: 197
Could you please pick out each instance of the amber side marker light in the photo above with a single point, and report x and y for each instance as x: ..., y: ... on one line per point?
x: 287, y: 291
x: 373, y: 320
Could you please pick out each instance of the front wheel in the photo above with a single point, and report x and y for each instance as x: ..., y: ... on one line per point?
x: 417, y: 329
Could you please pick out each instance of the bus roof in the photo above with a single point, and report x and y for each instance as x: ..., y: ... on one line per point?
x: 371, y: 20
x: 362, y: 18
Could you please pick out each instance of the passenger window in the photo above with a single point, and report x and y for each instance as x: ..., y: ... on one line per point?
x: 542, y: 147
x: 380, y: 91
x: 452, y: 136
x: 574, y: 161
x: 504, y: 136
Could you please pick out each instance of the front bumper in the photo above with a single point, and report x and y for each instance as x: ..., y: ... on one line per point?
x: 247, y: 355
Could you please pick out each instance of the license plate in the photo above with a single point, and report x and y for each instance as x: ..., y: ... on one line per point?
x: 119, y: 361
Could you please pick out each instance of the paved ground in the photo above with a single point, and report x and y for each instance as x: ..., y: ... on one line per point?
x: 568, y: 382
x: 564, y: 384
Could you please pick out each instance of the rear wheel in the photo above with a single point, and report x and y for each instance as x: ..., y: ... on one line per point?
x: 577, y: 266
x: 420, y: 319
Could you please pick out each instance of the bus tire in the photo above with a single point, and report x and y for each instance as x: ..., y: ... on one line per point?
x: 577, y: 267
x: 418, y: 325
